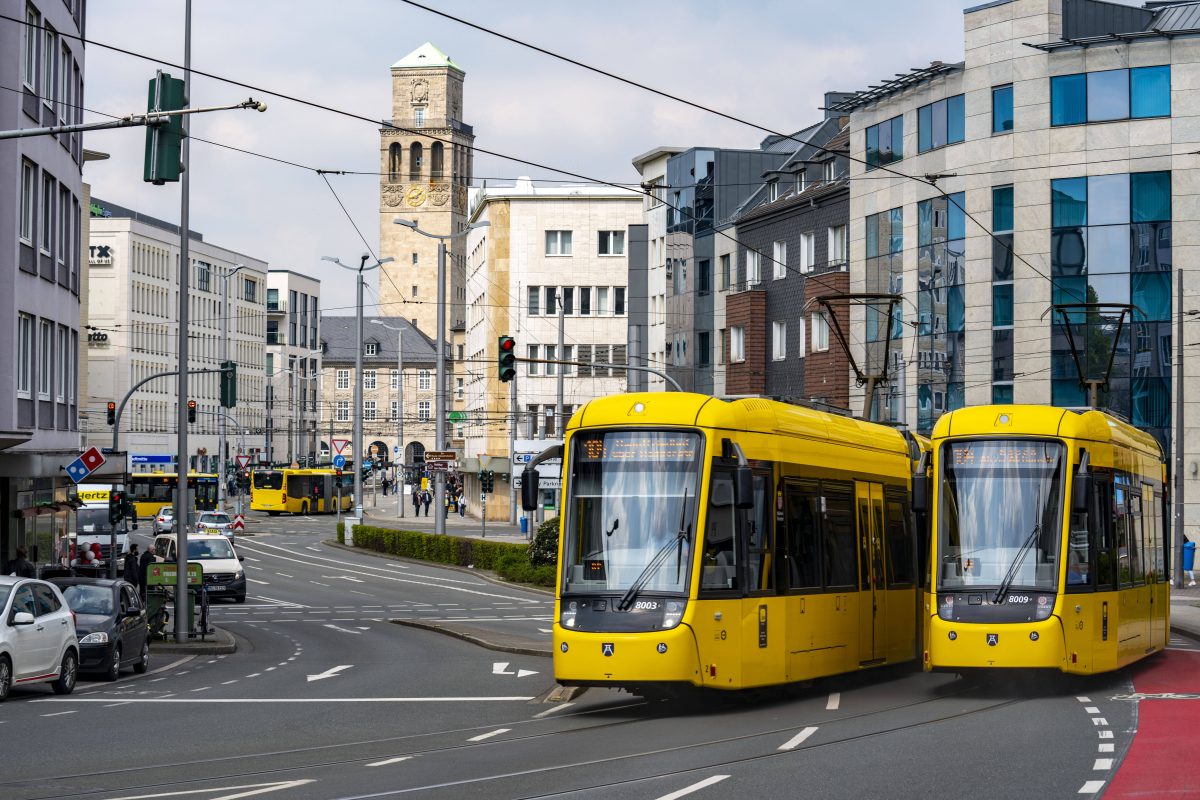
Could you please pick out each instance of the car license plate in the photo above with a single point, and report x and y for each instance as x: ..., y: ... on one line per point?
x: 214, y: 588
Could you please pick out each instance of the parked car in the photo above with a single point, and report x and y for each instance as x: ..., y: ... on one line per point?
x: 110, y: 621
x: 223, y: 573
x: 37, y: 636
x: 215, y: 522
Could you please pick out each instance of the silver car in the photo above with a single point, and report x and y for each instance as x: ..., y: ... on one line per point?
x: 216, y: 522
x: 164, y: 520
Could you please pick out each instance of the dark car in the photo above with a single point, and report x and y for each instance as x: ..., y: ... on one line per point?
x: 110, y: 620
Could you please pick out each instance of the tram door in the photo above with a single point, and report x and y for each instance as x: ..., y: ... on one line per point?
x: 872, y: 614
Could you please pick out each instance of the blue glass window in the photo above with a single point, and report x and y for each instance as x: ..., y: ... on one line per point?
x: 924, y: 128
x: 1067, y: 393
x: 1150, y: 92
x: 955, y: 308
x: 885, y: 142
x: 897, y: 138
x: 956, y: 226
x: 1002, y: 209
x: 956, y: 119
x: 1107, y: 200
x: 1068, y: 251
x: 872, y: 236
x: 1151, y: 296
x: 1002, y: 354
x: 1002, y: 395
x: 1002, y: 257
x: 1002, y: 109
x: 1108, y: 288
x: 1108, y: 95
x: 1068, y: 200
x: 1002, y: 304
x: 924, y: 223
x: 872, y: 147
x: 941, y: 123
x: 1152, y: 402
x: 1150, y: 196
x: 896, y: 239
x: 1068, y: 99
x: 1108, y: 249
x: 1066, y: 291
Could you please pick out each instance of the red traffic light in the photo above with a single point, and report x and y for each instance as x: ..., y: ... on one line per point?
x: 507, y: 343
x: 192, y: 405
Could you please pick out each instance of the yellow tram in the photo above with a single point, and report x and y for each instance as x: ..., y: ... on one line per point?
x: 731, y: 545
x: 1049, y: 541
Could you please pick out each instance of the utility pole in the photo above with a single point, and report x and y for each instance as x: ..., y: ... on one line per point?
x: 1177, y: 571
x: 512, y: 449
x: 182, y: 504
x: 398, y: 463
x: 560, y: 415
x: 223, y: 457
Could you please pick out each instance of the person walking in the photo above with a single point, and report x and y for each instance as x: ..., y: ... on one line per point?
x: 20, y: 565
x: 386, y: 484
x: 144, y: 567
x: 462, y: 503
x: 130, y: 572
x: 416, y: 501
x: 426, y: 498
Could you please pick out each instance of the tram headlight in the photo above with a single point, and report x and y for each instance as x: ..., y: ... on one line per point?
x: 946, y: 607
x: 568, y: 614
x: 672, y: 614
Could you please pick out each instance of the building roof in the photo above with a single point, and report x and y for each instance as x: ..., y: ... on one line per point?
x: 426, y: 56
x: 1100, y: 22
x: 813, y: 194
x: 339, y: 339
x: 103, y: 209
x: 657, y: 152
x: 902, y: 81
x: 1183, y: 17
x: 524, y: 189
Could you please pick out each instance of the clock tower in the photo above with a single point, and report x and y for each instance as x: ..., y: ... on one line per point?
x: 426, y: 162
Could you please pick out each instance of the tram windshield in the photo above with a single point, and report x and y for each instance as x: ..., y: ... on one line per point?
x: 633, y: 497
x: 1000, y: 518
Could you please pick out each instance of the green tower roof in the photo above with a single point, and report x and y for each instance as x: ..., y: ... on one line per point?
x: 426, y: 56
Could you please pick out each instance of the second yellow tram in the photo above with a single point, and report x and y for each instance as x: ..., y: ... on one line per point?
x: 731, y: 545
x: 1049, y: 541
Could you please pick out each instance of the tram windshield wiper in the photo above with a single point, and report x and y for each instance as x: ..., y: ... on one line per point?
x: 1011, y: 575
x: 632, y: 592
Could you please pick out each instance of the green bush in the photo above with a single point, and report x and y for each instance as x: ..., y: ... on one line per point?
x: 543, y: 550
x: 341, y: 533
x: 510, y: 561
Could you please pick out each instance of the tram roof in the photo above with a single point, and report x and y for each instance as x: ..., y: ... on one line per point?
x: 746, y: 414
x: 1032, y: 420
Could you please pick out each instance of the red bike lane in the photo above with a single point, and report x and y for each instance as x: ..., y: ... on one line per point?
x: 1161, y: 762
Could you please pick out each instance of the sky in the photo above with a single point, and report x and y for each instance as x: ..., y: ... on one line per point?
x: 768, y: 63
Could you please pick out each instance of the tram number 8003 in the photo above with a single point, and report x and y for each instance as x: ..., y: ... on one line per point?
x: 645, y: 605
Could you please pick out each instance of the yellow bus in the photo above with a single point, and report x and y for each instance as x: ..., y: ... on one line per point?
x: 730, y: 545
x: 300, y: 491
x: 1049, y: 541
x: 150, y: 491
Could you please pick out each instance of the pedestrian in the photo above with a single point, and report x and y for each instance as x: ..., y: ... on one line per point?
x: 416, y: 500
x: 426, y: 498
x: 144, y: 567
x: 130, y: 573
x: 462, y: 503
x: 20, y: 565
x: 386, y: 484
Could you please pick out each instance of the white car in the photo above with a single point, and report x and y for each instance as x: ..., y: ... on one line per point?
x: 223, y: 573
x: 37, y: 636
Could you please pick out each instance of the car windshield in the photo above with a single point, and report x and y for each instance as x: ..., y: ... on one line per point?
x: 92, y: 520
x: 1000, y: 513
x: 166, y: 511
x: 89, y: 599
x: 215, y: 519
x: 632, y: 497
x: 209, y: 548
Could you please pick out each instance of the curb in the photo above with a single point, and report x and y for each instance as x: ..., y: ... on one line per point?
x: 223, y: 643
x: 467, y: 637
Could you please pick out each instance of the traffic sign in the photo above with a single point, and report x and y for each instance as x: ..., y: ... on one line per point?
x: 340, y: 445
x: 239, y: 522
x: 85, y: 465
x: 440, y: 466
x: 339, y: 461
x: 242, y: 461
x: 543, y: 483
x: 440, y: 455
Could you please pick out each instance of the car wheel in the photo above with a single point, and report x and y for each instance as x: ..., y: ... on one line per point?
x: 67, y: 674
x: 143, y: 663
x: 114, y: 671
x: 5, y: 678
x: 241, y: 598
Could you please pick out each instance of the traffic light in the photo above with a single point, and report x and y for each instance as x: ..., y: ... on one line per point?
x: 228, y: 384
x: 506, y: 359
x: 191, y: 410
x: 164, y: 140
x: 112, y: 413
x: 129, y: 511
x: 487, y: 481
x: 116, y: 507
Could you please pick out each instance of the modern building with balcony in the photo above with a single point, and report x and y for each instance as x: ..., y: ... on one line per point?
x: 293, y: 368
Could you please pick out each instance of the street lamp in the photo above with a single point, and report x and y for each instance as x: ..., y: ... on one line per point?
x: 357, y: 435
x: 399, y: 410
x: 439, y: 396
x: 224, y: 348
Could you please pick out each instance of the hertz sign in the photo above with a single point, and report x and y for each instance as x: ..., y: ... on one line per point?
x: 93, y: 495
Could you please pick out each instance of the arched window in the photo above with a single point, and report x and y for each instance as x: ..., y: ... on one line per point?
x: 435, y: 160
x: 394, y: 161
x: 416, y: 160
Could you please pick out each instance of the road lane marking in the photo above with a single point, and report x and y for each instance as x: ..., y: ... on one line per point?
x: 329, y: 673
x: 1084, y: 699
x: 387, y: 761
x: 114, y: 705
x: 255, y: 789
x: 284, y: 575
x: 695, y: 787
x: 61, y: 713
x: 1091, y: 787
x: 288, y: 700
x: 201, y: 689
x: 226, y: 683
x: 1092, y: 710
x: 1098, y: 721
x: 364, y: 594
x: 835, y: 700
x: 318, y: 583
x: 250, y: 558
x: 1106, y: 734
x: 1106, y: 748
x: 798, y: 739
x: 254, y: 674
x: 550, y: 711
x: 343, y: 630
x: 489, y: 734
x: 260, y: 583
x: 1103, y: 763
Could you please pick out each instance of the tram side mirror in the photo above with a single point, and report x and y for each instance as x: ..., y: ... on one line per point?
x: 1081, y: 490
x: 743, y: 487
x: 920, y: 493
x: 529, y: 489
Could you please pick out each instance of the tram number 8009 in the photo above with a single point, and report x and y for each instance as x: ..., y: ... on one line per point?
x: 1019, y: 599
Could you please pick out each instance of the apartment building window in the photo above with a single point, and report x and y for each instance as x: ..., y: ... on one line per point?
x: 753, y: 275
x: 371, y: 349
x: 343, y: 411
x: 1114, y: 94
x: 778, y: 341
x: 885, y: 143
x: 460, y: 388
x: 343, y: 378
x: 801, y: 181
x: 704, y: 348
x: 249, y: 290
x: 64, y: 364
x: 203, y: 276
x: 585, y: 301
x: 272, y: 299
x: 394, y: 410
x: 568, y: 355
x: 47, y: 233
x: 772, y: 191
x: 551, y: 429
x: 24, y: 356
x: 808, y: 252
x: 1002, y: 109
x: 550, y: 358
x: 65, y: 223
x: 419, y: 117
x: 551, y: 293
x: 941, y: 123
x: 314, y: 320
x: 612, y: 243
x: 820, y: 333
x: 619, y: 307
x: 704, y: 276
x: 369, y: 379
x: 64, y: 91
x: 423, y: 380
x: 532, y: 365
x: 838, y: 245
x: 45, y: 360
x: 602, y: 301
x: 48, y: 50
x: 424, y: 410
x: 535, y: 295
x: 779, y: 255
x: 28, y: 200
x: 368, y: 411
x: 29, y: 50
x: 724, y: 262
x: 737, y: 344
x: 394, y: 380
x: 558, y: 243
x: 567, y: 293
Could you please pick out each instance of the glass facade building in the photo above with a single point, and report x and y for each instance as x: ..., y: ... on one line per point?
x: 884, y: 270
x: 941, y: 308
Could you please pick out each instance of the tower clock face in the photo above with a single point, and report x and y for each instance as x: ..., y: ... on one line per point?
x: 415, y: 196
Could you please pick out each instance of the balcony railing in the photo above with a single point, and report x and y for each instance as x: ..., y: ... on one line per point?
x: 432, y: 122
x: 274, y: 305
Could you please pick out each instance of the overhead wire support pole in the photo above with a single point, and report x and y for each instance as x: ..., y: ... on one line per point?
x: 128, y: 121
x: 873, y: 380
x: 1177, y: 567
x: 181, y: 470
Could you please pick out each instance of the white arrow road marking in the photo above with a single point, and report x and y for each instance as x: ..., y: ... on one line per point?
x: 387, y: 761
x: 798, y: 739
x: 343, y: 578
x: 329, y: 673
x: 695, y: 787
x: 343, y: 630
x: 256, y: 788
x: 521, y: 673
x: 260, y: 583
x: 500, y: 668
x: 488, y: 735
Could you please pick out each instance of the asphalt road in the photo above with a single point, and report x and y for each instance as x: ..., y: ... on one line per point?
x: 327, y: 699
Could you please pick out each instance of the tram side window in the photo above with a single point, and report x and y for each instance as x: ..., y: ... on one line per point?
x: 1121, y: 526
x: 1135, y: 539
x: 899, y: 545
x: 803, y: 532
x: 719, y: 570
x: 1100, y: 531
x: 1080, y: 576
x: 1159, y: 565
x: 759, y: 576
x: 840, y: 547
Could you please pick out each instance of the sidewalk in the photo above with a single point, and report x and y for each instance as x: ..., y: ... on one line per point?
x: 1185, y: 611
x: 384, y: 516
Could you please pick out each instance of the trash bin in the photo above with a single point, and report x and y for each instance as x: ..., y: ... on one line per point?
x: 1189, y: 555
x: 525, y: 528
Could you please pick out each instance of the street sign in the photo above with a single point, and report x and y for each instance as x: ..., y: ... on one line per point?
x: 85, y: 465
x: 521, y: 459
x: 339, y: 445
x: 164, y: 574
x: 396, y: 449
x: 150, y: 459
x: 239, y: 522
x: 440, y: 455
x: 543, y: 483
x: 440, y: 466
x: 339, y: 461
x: 242, y: 461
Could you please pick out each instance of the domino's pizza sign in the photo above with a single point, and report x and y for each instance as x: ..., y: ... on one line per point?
x: 85, y: 465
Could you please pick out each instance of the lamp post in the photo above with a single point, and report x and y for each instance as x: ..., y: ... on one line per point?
x: 223, y: 346
x: 439, y: 396
x: 399, y: 410
x: 357, y: 434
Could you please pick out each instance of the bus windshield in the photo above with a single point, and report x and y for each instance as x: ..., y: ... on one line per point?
x: 632, y: 498
x: 268, y: 479
x: 92, y: 520
x: 1000, y: 517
